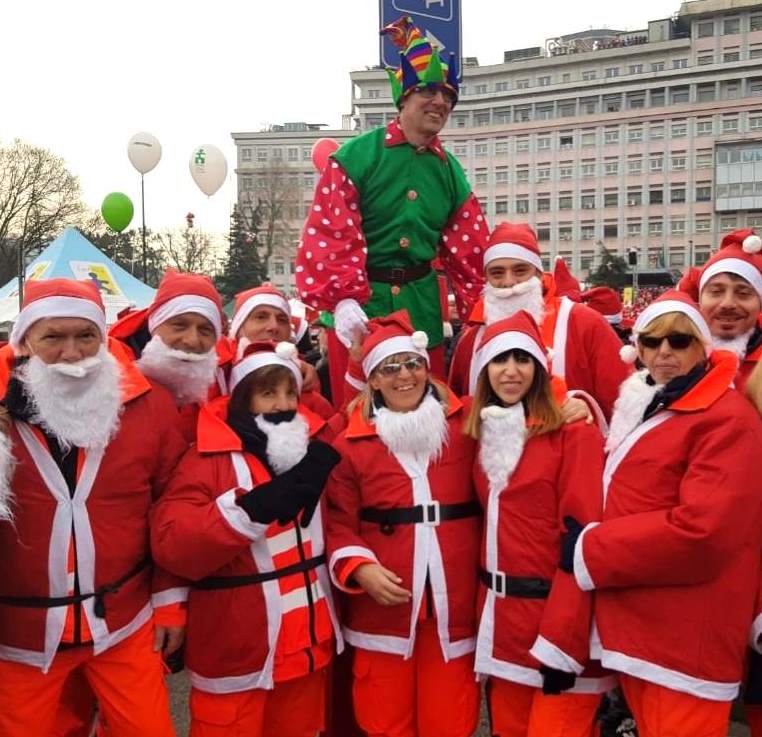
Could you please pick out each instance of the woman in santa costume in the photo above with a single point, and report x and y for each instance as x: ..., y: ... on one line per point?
x: 242, y: 521
x: 681, y: 532
x: 403, y: 539
x: 532, y: 471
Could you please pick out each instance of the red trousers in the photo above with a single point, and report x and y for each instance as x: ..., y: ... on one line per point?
x: 524, y: 711
x: 662, y: 712
x: 127, y: 679
x: 419, y: 697
x: 292, y: 709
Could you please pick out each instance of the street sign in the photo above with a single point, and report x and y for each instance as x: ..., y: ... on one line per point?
x: 440, y: 21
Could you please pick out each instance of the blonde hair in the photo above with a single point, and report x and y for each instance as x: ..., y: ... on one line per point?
x: 541, y: 406
x: 365, y: 398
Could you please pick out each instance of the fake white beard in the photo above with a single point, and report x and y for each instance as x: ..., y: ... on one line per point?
x: 504, y: 302
x: 422, y: 431
x: 78, y: 403
x: 501, y: 443
x: 634, y: 396
x: 735, y: 345
x: 187, y: 375
x: 286, y: 441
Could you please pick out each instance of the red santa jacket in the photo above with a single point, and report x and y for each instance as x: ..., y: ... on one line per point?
x: 558, y: 474
x: 680, y: 539
x: 445, y: 554
x: 106, y: 519
x: 253, y: 635
x: 585, y: 350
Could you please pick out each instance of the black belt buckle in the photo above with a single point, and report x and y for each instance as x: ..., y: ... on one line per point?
x: 499, y: 584
x: 397, y: 275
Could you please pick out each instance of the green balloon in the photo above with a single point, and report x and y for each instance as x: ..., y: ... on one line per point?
x: 117, y: 211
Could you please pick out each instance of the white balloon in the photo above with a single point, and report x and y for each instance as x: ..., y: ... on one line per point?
x: 144, y: 151
x: 208, y: 168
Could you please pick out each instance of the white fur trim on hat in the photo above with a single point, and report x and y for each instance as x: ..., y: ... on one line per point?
x: 509, y: 341
x: 183, y: 304
x: 259, y: 360
x: 736, y: 266
x: 512, y: 250
x: 390, y: 347
x: 614, y: 319
x: 657, y: 309
x: 752, y: 244
x: 270, y: 300
x: 48, y: 307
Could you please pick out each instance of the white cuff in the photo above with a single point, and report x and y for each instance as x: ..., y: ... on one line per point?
x: 350, y: 551
x: 584, y: 579
x: 354, y: 383
x: 548, y: 654
x: 169, y: 596
x: 237, y: 518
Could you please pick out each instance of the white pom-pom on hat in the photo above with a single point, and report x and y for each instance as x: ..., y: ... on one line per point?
x: 286, y: 351
x: 628, y: 353
x: 752, y: 244
x: 420, y: 339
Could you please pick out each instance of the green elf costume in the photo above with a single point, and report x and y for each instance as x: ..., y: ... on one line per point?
x: 385, y: 209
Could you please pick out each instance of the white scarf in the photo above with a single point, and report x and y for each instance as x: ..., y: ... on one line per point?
x: 188, y: 376
x: 286, y: 441
x: 504, y: 302
x: 634, y: 396
x: 422, y: 431
x: 78, y: 403
x: 501, y: 443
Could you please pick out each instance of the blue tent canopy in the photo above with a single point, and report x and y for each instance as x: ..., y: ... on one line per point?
x: 72, y: 256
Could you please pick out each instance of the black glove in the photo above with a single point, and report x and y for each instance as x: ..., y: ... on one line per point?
x: 555, y: 681
x: 313, y: 472
x: 568, y: 543
x: 281, y: 498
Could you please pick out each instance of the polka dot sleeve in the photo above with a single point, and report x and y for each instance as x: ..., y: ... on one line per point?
x: 331, y: 255
x: 461, y: 250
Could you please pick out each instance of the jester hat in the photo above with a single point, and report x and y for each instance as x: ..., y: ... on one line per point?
x: 420, y: 65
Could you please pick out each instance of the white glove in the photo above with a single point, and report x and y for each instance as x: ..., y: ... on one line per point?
x: 349, y: 318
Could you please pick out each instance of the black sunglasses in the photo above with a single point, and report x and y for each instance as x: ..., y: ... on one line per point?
x: 677, y: 341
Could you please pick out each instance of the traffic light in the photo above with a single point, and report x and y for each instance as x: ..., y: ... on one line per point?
x: 632, y: 257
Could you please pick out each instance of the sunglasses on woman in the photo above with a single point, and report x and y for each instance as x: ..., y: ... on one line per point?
x: 392, y: 369
x: 677, y: 341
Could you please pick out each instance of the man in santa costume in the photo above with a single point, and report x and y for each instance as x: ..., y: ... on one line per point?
x: 177, y: 341
x: 585, y: 350
x: 387, y: 204
x: 89, y: 444
x: 681, y: 530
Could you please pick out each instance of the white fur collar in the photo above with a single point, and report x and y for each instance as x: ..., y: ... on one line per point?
x: 737, y: 345
x: 503, y: 434
x: 7, y: 462
x: 634, y: 396
x: 422, y: 432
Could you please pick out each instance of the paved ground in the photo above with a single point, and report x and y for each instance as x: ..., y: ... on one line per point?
x: 179, y: 695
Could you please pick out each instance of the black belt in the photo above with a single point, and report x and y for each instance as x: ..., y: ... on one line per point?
x: 212, y: 583
x: 99, y: 606
x: 399, y: 276
x: 522, y: 587
x: 427, y: 514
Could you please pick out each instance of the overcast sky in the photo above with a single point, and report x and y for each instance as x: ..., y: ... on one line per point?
x: 81, y: 77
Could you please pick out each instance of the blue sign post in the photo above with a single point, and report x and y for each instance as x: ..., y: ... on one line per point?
x: 439, y: 20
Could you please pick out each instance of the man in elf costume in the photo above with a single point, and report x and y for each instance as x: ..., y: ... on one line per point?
x: 388, y: 203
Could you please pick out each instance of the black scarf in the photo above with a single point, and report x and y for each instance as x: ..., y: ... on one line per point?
x: 255, y: 440
x: 674, y: 389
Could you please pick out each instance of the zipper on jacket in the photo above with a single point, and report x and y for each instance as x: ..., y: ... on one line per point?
x: 308, y: 585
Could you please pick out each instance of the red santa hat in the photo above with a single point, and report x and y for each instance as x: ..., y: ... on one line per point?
x: 58, y: 298
x: 263, y: 353
x: 390, y: 335
x: 739, y: 255
x: 518, y: 331
x: 670, y: 301
x: 301, y: 317
x: 179, y: 294
x: 689, y: 283
x: 606, y: 301
x: 566, y: 284
x: 513, y: 240
x: 246, y: 302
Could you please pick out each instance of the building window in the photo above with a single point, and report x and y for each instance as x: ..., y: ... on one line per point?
x: 677, y: 226
x: 633, y: 229
x: 612, y: 72
x: 611, y: 136
x: 587, y: 233
x: 460, y: 149
x: 277, y: 154
x: 657, y: 66
x: 729, y: 56
x: 635, y: 135
x: 566, y: 171
x: 730, y: 125
x: 703, y: 193
x: 680, y: 95
x: 611, y: 199
x: 543, y: 203
x: 731, y: 26
x: 705, y: 59
x: 280, y: 268
x: 610, y: 168
x: 565, y: 202
x: 543, y: 232
x: 755, y: 51
x: 656, y: 163
x: 501, y: 86
x: 293, y: 154
x: 522, y: 174
x: 543, y: 172
x: 589, y: 105
x: 612, y: 103
x: 705, y: 93
x: 501, y: 207
x: 755, y: 22
x: 261, y: 154
x: 634, y: 198
x: 587, y: 169
x: 655, y: 196
x: 565, y: 142
x: 306, y: 153
x: 376, y: 121
x: 705, y: 29
x: 564, y: 232
x: 587, y: 202
x: 677, y: 194
x: 481, y: 177
x: 755, y: 124
x: 308, y: 181
x: 374, y: 94
x: 522, y: 205
x: 679, y: 63
x: 481, y: 119
x: 635, y: 69
x: 636, y: 100
x: 501, y: 175
x: 755, y: 87
x: 703, y: 225
x: 567, y: 109
x: 731, y: 90
x: 588, y: 76
x: 677, y: 258
x: 480, y: 89
x: 655, y: 226
x: 543, y: 81
x: 522, y: 84
x: 501, y: 147
x: 522, y: 144
x: 728, y: 223
x: 658, y: 98
x: 610, y: 230
x: 704, y: 127
x: 245, y: 154
x: 248, y: 183
x: 565, y: 77
x: 704, y: 160
x: 679, y: 130
x: 543, y: 143
x: 480, y: 149
x: 588, y: 138
x: 635, y: 166
x: 656, y: 131
x: 678, y: 161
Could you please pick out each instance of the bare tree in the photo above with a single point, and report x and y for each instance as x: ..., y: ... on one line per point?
x: 186, y: 249
x: 38, y: 197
